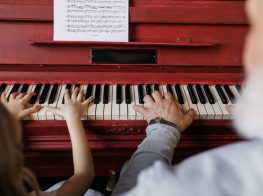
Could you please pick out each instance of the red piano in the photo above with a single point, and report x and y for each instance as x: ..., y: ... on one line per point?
x: 173, y: 46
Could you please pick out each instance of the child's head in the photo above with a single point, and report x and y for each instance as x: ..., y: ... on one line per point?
x: 13, y: 174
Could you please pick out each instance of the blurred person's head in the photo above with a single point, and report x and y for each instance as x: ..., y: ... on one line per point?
x: 249, y: 109
x: 13, y: 174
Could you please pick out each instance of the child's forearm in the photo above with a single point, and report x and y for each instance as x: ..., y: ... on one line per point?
x: 83, y: 162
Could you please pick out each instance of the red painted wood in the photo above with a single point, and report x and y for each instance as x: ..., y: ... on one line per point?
x: 11, y: 77
x: 203, y: 12
x: 176, y: 44
x: 15, y: 35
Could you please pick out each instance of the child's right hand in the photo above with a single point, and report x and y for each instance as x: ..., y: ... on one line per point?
x: 73, y: 107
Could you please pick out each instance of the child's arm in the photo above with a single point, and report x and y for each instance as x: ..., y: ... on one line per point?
x: 84, y: 171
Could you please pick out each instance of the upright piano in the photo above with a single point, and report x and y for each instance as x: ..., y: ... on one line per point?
x: 191, y: 48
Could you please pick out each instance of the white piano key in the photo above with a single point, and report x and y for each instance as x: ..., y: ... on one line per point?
x: 144, y: 94
x: 9, y: 90
x: 123, y: 105
x: 92, y: 106
x: 131, y: 112
x: 175, y: 97
x: 34, y: 116
x: 19, y: 88
x: 84, y: 115
x: 185, y: 105
x: 30, y: 88
x: 234, y: 89
x: 60, y: 99
x: 49, y: 115
x: 139, y: 116
x: 226, y: 115
x: 228, y: 100
x: 115, y: 107
x: 107, y: 107
x: 42, y: 112
x: 200, y: 106
x: 100, y: 105
x: 216, y: 106
x: 188, y: 98
x: 209, y: 108
x: 164, y: 89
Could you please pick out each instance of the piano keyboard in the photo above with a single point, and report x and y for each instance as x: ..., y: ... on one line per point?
x: 114, y: 102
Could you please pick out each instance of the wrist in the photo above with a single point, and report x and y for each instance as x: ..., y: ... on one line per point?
x: 159, y: 120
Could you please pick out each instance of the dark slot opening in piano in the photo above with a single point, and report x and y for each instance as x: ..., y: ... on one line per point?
x: 112, y: 56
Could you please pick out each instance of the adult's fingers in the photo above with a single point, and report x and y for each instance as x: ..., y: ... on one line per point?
x: 168, y: 95
x: 20, y: 96
x: 140, y: 109
x: 66, y: 95
x: 157, y: 96
x: 86, y: 102
x: 13, y: 95
x: 80, y: 96
x: 28, y: 96
x: 29, y: 111
x: 3, y: 99
x: 189, y: 117
x: 229, y: 108
x: 148, y: 99
x: 75, y: 93
x: 54, y: 110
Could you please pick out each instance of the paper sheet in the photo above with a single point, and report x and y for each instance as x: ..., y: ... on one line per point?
x: 91, y: 20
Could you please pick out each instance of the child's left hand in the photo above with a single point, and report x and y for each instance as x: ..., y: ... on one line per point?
x: 17, y: 102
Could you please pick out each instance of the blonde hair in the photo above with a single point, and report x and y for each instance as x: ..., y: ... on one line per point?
x: 13, y: 174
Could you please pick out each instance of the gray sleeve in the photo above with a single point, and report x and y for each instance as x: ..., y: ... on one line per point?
x: 158, y: 145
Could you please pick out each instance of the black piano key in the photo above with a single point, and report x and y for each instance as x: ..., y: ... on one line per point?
x: 118, y: 94
x: 169, y: 89
x: 89, y: 91
x: 68, y: 86
x: 179, y: 94
x: 53, y: 94
x: 24, y: 88
x: 97, y: 94
x: 128, y: 94
x: 156, y: 87
x: 221, y: 94
x: 239, y: 88
x: 140, y: 93
x: 200, y: 94
x: 14, y: 89
x: 34, y: 98
x: 77, y: 86
x: 106, y: 94
x: 209, y: 95
x: 2, y: 88
x: 44, y: 94
x: 192, y: 94
x: 148, y: 89
x: 229, y: 93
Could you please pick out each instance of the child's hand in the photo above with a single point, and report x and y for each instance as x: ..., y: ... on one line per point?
x: 73, y: 107
x: 17, y: 102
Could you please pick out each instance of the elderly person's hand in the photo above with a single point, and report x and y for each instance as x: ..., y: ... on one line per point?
x: 165, y: 108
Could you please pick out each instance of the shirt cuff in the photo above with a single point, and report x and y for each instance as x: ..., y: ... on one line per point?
x: 161, y: 139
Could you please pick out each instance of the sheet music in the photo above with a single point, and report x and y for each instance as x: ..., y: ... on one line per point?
x: 91, y: 20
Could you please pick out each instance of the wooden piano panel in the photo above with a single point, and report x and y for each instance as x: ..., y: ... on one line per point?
x: 16, y: 50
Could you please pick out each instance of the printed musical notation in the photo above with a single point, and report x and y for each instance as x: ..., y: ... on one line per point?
x: 91, y: 20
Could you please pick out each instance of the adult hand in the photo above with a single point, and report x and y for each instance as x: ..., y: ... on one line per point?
x: 73, y: 107
x: 165, y: 108
x: 229, y: 108
x: 17, y: 102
